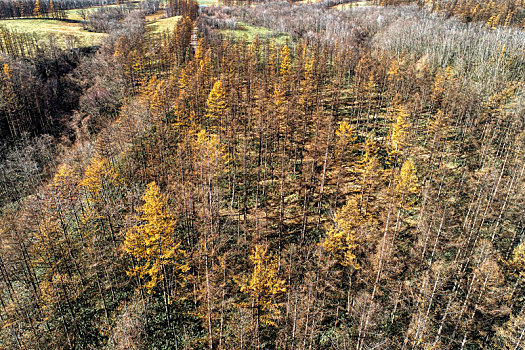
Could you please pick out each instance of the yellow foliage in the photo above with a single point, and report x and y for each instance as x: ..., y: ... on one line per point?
x: 152, y: 242
x: 7, y: 71
x: 216, y: 103
x: 308, y: 68
x: 204, y: 72
x: 264, y: 285
x: 286, y: 63
x: 98, y: 175
x: 498, y: 100
x: 341, y: 240
x: 37, y: 11
x: 371, y: 85
x: 154, y: 92
x: 119, y: 49
x: 345, y: 135
x: 211, y: 154
x: 510, y: 335
x: 393, y: 71
x: 408, y: 183
x: 306, y: 97
x: 518, y: 260
x: 399, y: 132
x: 345, y: 131
x: 440, y: 82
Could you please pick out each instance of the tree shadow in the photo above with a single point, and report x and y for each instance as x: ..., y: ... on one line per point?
x: 65, y: 20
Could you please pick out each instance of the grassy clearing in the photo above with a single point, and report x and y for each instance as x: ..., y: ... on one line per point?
x: 70, y: 32
x: 62, y: 31
x: 155, y: 16
x: 74, y: 14
x: 158, y: 26
x: 248, y: 32
x: 207, y: 2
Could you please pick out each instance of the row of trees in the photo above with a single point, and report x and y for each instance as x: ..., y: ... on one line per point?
x: 494, y: 13
x: 49, y: 9
x: 186, y: 8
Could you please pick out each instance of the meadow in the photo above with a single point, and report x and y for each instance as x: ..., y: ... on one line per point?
x: 70, y: 32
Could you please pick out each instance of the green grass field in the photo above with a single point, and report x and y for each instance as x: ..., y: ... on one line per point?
x: 63, y: 31
x: 248, y: 32
x: 207, y: 2
x: 160, y: 25
x: 71, y: 31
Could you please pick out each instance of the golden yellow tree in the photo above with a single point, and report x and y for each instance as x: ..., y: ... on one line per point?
x: 341, y: 240
x: 408, y: 181
x: 517, y: 263
x: 7, y: 71
x: 264, y: 286
x: 407, y: 184
x: 345, y: 138
x: 345, y: 135
x: 439, y: 125
x: 152, y: 242
x: 98, y: 176
x: 399, y: 133
x: 37, y: 11
x: 217, y: 104
x: 285, y: 70
x: 286, y: 62
x: 155, y: 92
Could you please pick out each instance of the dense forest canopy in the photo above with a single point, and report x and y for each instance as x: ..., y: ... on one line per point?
x: 271, y: 176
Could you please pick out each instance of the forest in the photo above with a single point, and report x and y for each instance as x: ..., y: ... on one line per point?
x: 343, y: 175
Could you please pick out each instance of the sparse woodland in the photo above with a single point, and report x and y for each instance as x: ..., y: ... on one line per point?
x: 360, y: 187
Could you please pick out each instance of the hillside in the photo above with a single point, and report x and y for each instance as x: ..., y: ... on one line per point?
x: 262, y: 175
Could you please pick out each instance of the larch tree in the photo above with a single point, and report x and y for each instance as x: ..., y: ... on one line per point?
x: 341, y: 241
x: 52, y: 8
x: 216, y: 106
x: 152, y: 243
x: 98, y: 176
x: 263, y: 287
x: 407, y: 183
x: 37, y: 11
x: 285, y: 69
x: 399, y: 133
